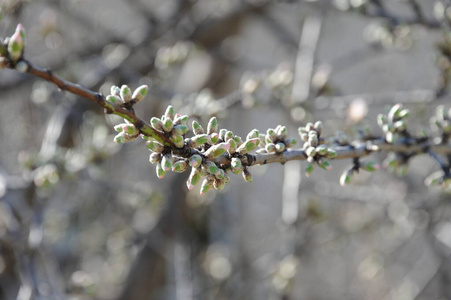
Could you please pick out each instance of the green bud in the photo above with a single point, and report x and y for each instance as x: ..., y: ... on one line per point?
x: 211, y: 167
x: 217, y: 150
x: 156, y: 124
x: 126, y: 93
x: 159, y: 169
x: 404, y: 114
x: 248, y: 146
x: 179, y: 166
x: 280, y: 147
x: 271, y: 147
x: 222, y: 133
x: 214, y: 138
x: 321, y: 150
x: 400, y: 125
x: 167, y: 123
x: 346, y: 177
x: 197, y: 128
x: 130, y: 129
x: 393, y: 114
x: 238, y: 141
x: 325, y: 164
x: 170, y: 113
x: 199, y: 140
x: 311, y: 151
x: 140, y: 93
x: 207, y: 185
x: 16, y: 43
x: 195, y: 161
x: 236, y: 166
x: 114, y: 99
x: 253, y: 134
x: 247, y: 175
x: 212, y: 125
x: 155, y: 146
x: 282, y: 132
x: 228, y: 135
x: 309, y: 167
x: 271, y: 135
x: 118, y: 128
x: 166, y: 162
x: 193, y: 178
x: 232, y: 148
x: 369, y: 166
x: 331, y: 153
x: 178, y: 140
x: 120, y: 138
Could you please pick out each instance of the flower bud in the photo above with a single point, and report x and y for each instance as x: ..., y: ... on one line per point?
x: 238, y: 141
x: 282, y: 132
x: 280, y: 147
x: 325, y: 164
x: 222, y: 133
x: 166, y: 162
x: 120, y: 138
x: 236, y: 166
x: 167, y: 124
x: 159, y: 170
x: 253, y: 134
x: 214, y: 138
x: 247, y: 175
x: 217, y: 150
x: 130, y: 129
x: 271, y: 147
x: 321, y: 150
x: 199, y: 140
x: 193, y: 178
x: 228, y: 135
x: 318, y: 127
x: 404, y: 114
x: 156, y: 123
x: 197, y: 128
x: 179, y: 166
x: 331, y: 153
x: 170, y: 113
x: 140, y: 93
x: 114, y: 99
x: 126, y: 93
x: 313, y: 140
x: 393, y: 114
x: 400, y: 125
x: 155, y: 146
x: 248, y: 145
x: 16, y: 43
x: 369, y: 166
x: 178, y: 140
x: 195, y: 160
x: 207, y: 185
x: 212, y: 125
x: 346, y: 177
x: 211, y: 167
x: 311, y: 151
x: 232, y: 148
x: 271, y: 135
x: 309, y: 167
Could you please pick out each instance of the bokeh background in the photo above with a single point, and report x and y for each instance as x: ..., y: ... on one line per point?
x: 84, y: 218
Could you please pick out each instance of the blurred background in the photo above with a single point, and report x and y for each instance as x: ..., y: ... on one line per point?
x: 84, y: 218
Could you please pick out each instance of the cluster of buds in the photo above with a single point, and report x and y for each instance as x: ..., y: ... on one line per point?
x: 347, y: 175
x: 314, y: 147
x: 123, y: 95
x: 394, y: 124
x: 12, y: 49
x: 275, y: 140
x: 172, y: 124
x: 126, y: 132
x: 442, y: 120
